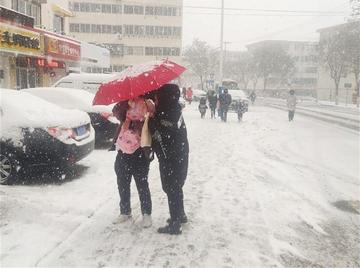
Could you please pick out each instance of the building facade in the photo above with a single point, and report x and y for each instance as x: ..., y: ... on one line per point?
x: 133, y: 31
x: 305, y: 57
x: 31, y: 56
x: 348, y: 85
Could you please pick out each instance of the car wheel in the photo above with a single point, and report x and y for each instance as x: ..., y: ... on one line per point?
x: 8, y: 169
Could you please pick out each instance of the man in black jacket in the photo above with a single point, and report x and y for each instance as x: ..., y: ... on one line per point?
x: 170, y: 143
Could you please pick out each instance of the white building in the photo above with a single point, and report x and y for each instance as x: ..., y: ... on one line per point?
x: 134, y: 31
x: 305, y: 56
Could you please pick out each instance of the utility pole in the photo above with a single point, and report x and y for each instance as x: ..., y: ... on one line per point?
x: 221, y: 43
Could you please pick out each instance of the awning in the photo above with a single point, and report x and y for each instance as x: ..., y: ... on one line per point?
x: 62, y: 11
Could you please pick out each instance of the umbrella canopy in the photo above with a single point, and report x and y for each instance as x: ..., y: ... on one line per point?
x: 137, y: 80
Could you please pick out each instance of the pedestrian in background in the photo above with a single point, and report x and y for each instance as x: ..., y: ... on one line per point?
x: 291, y: 104
x: 212, y: 99
x: 224, y: 101
x: 202, y: 107
x: 189, y: 95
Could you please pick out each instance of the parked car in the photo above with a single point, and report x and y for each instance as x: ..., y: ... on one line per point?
x: 87, y: 81
x: 102, y: 119
x: 36, y: 132
x: 238, y: 95
x: 198, y: 94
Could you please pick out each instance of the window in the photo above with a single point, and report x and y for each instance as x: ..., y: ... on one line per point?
x: 149, y: 51
x: 74, y: 27
x: 149, y: 11
x: 76, y: 7
x: 58, y: 24
x: 106, y: 8
x: 85, y: 28
x: 106, y: 29
x: 95, y: 8
x: 116, y: 9
x: 138, y: 50
x: 139, y: 10
x: 95, y: 28
x: 85, y: 7
x: 128, y: 9
x: 139, y: 30
x: 116, y: 29
x: 157, y: 11
x: 149, y: 30
x: 129, y: 29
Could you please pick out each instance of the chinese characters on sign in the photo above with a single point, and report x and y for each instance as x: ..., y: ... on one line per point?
x: 62, y: 49
x: 14, y: 38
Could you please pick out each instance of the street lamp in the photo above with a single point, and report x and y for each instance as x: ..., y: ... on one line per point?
x: 221, y: 43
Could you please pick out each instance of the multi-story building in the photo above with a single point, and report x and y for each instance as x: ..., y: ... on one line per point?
x: 305, y: 57
x: 347, y: 91
x: 134, y: 31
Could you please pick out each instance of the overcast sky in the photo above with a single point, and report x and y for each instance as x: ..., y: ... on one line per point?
x: 251, y: 26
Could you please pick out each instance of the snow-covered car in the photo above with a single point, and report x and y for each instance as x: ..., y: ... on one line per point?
x: 198, y: 94
x: 102, y: 119
x: 87, y: 81
x: 36, y: 132
x: 238, y: 95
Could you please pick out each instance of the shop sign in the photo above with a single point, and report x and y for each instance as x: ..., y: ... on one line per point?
x: 62, y: 49
x: 19, y: 40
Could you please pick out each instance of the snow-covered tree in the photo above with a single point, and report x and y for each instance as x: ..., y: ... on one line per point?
x: 272, y: 60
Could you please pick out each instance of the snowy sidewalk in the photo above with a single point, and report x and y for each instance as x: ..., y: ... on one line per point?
x: 259, y: 194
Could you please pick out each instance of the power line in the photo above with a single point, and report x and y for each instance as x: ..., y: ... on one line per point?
x: 266, y: 10
x: 267, y: 15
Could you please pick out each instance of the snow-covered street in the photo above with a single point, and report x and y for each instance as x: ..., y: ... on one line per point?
x: 260, y: 193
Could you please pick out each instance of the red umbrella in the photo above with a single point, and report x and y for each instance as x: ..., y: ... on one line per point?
x: 137, y: 80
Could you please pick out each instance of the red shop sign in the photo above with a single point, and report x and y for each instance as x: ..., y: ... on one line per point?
x: 62, y: 49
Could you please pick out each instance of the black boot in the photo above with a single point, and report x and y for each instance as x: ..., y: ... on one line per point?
x: 173, y: 228
x: 183, y: 219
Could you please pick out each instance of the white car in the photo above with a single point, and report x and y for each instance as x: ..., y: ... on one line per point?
x: 35, y: 132
x: 87, y: 81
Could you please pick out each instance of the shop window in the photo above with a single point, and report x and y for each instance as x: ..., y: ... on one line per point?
x: 116, y: 29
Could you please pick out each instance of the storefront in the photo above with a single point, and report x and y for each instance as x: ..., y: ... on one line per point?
x: 61, y: 54
x: 20, y: 49
x: 31, y: 57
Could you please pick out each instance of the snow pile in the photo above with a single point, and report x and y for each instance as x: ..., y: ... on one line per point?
x: 70, y: 98
x: 22, y: 110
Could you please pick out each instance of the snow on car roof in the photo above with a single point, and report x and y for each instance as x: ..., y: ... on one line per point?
x: 69, y: 98
x: 21, y: 109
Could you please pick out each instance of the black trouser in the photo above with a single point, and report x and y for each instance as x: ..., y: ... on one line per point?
x: 240, y: 115
x: 223, y: 112
x: 173, y: 174
x: 291, y: 115
x: 137, y: 165
x: 212, y: 109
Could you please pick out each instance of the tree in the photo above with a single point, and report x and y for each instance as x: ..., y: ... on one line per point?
x: 199, y: 56
x: 355, y: 10
x: 352, y: 34
x: 240, y: 68
x: 340, y: 53
x: 272, y: 60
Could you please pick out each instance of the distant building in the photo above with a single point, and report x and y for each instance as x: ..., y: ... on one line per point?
x: 133, y: 31
x: 305, y: 56
x: 326, y: 85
